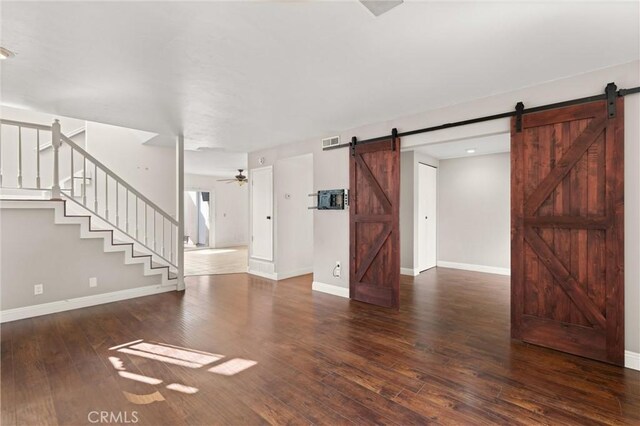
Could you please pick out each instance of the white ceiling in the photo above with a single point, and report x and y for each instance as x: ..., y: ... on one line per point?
x: 247, y: 75
x: 492, y: 144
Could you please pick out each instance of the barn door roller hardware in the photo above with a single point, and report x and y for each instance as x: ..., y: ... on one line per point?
x: 609, y: 94
x: 353, y: 142
x: 519, y: 110
x: 394, y: 135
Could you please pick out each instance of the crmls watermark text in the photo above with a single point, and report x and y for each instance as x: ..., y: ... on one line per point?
x: 119, y: 417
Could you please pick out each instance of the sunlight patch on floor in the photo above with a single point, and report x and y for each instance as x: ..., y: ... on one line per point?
x: 174, y: 355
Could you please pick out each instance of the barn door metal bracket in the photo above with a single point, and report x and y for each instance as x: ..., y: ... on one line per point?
x: 394, y: 135
x: 519, y: 110
x: 352, y: 144
x: 611, y: 93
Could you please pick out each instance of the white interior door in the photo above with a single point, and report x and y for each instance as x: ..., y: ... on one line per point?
x: 261, y: 181
x: 427, y: 199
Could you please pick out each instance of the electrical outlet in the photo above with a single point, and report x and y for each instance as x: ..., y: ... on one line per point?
x: 93, y: 282
x: 38, y: 289
x: 336, y: 270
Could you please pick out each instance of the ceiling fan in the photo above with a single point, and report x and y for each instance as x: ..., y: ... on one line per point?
x: 240, y: 178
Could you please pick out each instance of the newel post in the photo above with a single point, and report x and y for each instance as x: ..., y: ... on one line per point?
x: 56, y: 142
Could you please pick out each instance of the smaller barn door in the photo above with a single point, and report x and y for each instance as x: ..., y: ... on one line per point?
x: 374, y: 273
x: 567, y: 230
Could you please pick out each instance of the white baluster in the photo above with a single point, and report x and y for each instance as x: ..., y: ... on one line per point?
x: 84, y: 181
x: 126, y: 211
x: 95, y: 188
x: 73, y: 180
x: 19, y: 157
x: 146, y: 228
x: 38, y: 158
x: 137, y: 228
x: 163, y: 240
x: 117, y: 208
x: 154, y: 231
x: 106, y: 195
x: 56, y: 141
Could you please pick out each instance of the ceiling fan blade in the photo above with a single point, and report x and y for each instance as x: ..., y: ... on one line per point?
x: 225, y: 180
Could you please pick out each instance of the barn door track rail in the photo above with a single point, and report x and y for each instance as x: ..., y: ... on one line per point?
x: 610, y: 94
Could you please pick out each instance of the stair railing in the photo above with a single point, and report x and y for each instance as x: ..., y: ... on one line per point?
x: 110, y: 198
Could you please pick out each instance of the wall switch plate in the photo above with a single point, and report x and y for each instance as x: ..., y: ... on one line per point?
x: 38, y: 289
x: 93, y: 282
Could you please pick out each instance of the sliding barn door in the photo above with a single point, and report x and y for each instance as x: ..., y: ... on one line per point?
x: 374, y: 273
x: 567, y: 230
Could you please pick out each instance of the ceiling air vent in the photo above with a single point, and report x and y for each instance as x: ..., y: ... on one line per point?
x: 332, y: 141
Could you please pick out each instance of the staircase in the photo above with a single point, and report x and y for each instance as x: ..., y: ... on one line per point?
x: 84, y: 192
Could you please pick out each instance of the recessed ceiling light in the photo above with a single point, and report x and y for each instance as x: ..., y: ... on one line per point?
x: 471, y: 150
x: 6, y: 53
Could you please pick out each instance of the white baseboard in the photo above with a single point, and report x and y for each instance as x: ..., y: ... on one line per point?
x: 267, y: 275
x: 475, y: 268
x: 409, y: 271
x: 330, y: 289
x: 81, y: 302
x: 295, y: 273
x: 632, y: 360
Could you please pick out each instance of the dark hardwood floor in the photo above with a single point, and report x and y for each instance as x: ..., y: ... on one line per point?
x: 295, y: 356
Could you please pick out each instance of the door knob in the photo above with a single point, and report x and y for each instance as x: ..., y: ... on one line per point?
x: 269, y: 217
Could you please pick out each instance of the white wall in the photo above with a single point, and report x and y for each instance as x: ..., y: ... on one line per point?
x: 232, y: 214
x: 331, y: 168
x: 474, y: 210
x: 293, y: 182
x: 230, y: 209
x: 149, y: 169
x: 56, y: 256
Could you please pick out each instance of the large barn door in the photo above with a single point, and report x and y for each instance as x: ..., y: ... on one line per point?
x: 374, y: 195
x: 567, y: 230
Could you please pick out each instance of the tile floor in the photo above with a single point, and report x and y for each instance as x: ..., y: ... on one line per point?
x: 208, y: 261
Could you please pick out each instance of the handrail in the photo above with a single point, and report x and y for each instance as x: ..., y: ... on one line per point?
x: 24, y: 124
x: 114, y: 176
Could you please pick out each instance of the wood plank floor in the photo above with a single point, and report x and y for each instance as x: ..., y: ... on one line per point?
x: 235, y: 349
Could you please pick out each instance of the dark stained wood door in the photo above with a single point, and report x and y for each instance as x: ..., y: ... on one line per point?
x: 374, y: 273
x: 567, y: 230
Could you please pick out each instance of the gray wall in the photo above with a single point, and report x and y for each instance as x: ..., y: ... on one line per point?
x: 54, y: 255
x: 293, y: 182
x: 331, y: 168
x: 474, y: 210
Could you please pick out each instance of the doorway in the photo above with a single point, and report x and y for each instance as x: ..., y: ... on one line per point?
x: 197, y: 214
x: 427, y: 216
